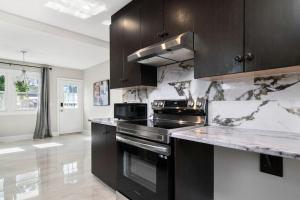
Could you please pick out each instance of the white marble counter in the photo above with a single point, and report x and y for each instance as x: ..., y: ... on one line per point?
x: 284, y: 144
x: 105, y: 121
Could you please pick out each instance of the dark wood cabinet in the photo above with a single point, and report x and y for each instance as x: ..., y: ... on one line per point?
x: 219, y: 35
x: 125, y: 39
x: 104, y: 153
x: 179, y: 16
x: 116, y: 52
x: 152, y: 23
x: 272, y: 34
x: 255, y: 35
x: 231, y: 36
x: 194, y: 171
x: 131, y: 38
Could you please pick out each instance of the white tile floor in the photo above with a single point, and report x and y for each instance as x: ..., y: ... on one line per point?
x: 60, y: 170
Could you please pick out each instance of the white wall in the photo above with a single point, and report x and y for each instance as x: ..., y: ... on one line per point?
x: 237, y: 177
x: 91, y: 75
x: 20, y: 126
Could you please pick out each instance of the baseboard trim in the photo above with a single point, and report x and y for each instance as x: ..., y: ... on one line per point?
x: 86, y: 132
x: 16, y: 138
x: 55, y: 133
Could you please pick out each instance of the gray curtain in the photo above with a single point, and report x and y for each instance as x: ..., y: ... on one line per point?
x: 43, y: 125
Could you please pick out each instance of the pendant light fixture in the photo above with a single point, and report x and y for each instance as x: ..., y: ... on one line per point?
x: 24, y: 77
x: 22, y: 83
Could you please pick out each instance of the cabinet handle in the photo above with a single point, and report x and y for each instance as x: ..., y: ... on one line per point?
x: 123, y: 79
x: 163, y: 35
x: 160, y: 35
x: 239, y: 58
x: 249, y: 57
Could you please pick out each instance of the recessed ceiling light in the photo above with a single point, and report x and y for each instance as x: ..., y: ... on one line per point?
x: 79, y: 8
x: 106, y: 22
x: 47, y: 145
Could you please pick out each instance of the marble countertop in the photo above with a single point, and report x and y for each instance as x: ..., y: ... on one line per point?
x: 105, y: 121
x: 284, y: 144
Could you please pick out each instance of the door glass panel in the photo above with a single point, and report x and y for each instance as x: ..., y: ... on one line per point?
x: 139, y: 171
x: 70, y: 96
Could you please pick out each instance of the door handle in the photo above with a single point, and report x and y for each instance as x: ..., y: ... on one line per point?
x: 239, y: 58
x: 249, y: 57
x: 143, y: 144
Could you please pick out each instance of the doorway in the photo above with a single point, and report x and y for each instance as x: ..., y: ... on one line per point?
x: 70, y: 106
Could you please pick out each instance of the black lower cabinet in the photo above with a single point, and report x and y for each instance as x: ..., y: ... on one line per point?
x: 194, y: 171
x: 104, y: 153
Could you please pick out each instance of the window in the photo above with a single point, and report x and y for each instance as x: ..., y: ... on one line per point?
x: 19, y: 91
x: 2, y: 92
x: 70, y: 96
x: 27, y: 92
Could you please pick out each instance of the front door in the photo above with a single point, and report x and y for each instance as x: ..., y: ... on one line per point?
x: 69, y: 106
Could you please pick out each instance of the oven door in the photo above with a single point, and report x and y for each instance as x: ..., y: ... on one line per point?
x: 144, y: 169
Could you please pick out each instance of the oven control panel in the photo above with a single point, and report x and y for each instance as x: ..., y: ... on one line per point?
x: 200, y: 104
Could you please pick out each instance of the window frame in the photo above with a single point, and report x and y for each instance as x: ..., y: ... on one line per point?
x: 29, y: 74
x: 4, y: 73
x: 11, y: 93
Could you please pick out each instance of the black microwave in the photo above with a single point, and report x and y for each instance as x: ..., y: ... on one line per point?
x: 130, y: 111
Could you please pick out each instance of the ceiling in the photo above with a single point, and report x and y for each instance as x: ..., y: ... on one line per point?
x: 52, y: 37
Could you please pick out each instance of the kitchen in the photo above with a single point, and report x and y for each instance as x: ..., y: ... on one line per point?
x: 210, y: 101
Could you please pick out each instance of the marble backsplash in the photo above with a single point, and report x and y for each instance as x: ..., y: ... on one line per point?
x: 267, y: 103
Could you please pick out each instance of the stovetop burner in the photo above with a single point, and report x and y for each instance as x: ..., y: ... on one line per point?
x: 169, y: 115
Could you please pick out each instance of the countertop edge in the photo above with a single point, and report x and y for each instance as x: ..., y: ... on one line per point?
x: 254, y: 148
x: 104, y: 121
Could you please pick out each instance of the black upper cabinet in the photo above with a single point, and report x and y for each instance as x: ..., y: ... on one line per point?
x: 179, y: 16
x: 116, y: 52
x: 125, y: 39
x: 231, y: 36
x: 131, y: 41
x: 272, y: 34
x: 218, y: 37
x: 151, y: 22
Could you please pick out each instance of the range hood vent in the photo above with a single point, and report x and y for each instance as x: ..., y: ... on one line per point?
x: 174, y: 50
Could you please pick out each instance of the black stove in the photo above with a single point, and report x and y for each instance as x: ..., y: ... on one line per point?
x: 169, y: 115
x: 163, y: 124
x: 144, y: 148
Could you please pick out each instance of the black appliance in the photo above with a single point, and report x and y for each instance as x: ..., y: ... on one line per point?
x: 145, y: 161
x: 130, y: 111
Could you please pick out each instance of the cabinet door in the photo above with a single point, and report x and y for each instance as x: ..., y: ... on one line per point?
x: 151, y: 22
x: 98, y: 150
x: 131, y: 38
x: 116, y: 52
x: 111, y: 157
x: 179, y: 16
x: 219, y: 37
x: 194, y: 171
x: 272, y: 33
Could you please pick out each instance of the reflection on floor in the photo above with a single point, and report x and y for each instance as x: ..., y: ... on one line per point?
x: 52, y: 169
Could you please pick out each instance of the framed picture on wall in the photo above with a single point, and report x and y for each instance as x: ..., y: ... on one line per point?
x: 101, y: 93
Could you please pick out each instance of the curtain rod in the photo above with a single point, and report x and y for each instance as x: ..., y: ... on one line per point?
x: 23, y: 65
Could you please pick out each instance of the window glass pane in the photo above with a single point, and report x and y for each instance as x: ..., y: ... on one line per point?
x: 70, y: 96
x: 27, y: 92
x: 2, y: 92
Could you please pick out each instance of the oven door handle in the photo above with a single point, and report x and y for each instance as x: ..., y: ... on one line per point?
x: 150, y: 146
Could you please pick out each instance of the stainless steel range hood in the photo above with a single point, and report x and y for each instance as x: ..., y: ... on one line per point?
x: 174, y: 50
